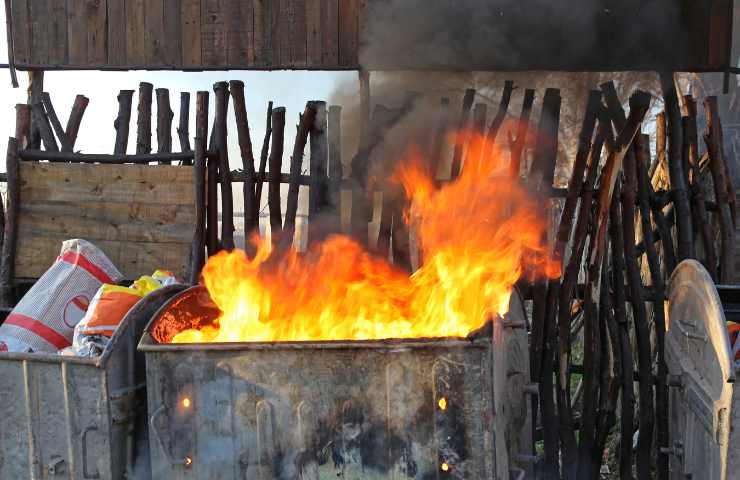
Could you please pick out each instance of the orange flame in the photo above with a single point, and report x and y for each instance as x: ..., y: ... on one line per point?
x: 477, y: 235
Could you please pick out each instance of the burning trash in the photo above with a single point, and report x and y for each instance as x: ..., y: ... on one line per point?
x: 477, y: 234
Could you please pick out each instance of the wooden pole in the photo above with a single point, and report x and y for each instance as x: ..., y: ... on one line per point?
x: 626, y: 368
x: 7, y: 267
x: 251, y: 206
x: 144, y: 121
x: 75, y: 119
x: 22, y: 124
x: 335, y: 167
x: 676, y: 170
x: 462, y: 131
x: 199, y: 236
x: 498, y: 120
x: 164, y: 121
x: 39, y: 118
x: 642, y: 144
x: 276, y: 166
x: 35, y: 89
x: 55, y: 123
x: 567, y: 436
x: 263, y: 155
x: 123, y: 121
x: 318, y: 191
x: 221, y: 89
x: 713, y: 140
x: 184, y: 124
x: 296, y: 162
x: 517, y: 145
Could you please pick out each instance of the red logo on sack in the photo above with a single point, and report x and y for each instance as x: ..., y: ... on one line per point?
x: 3, y: 347
x: 75, y: 310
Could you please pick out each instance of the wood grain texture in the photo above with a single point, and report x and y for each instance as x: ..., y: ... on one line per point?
x: 38, y: 21
x: 117, y: 32
x: 77, y: 37
x: 141, y: 216
x: 21, y: 31
x: 298, y: 32
x: 348, y: 31
x: 330, y: 32
x: 154, y: 32
x: 97, y: 53
x: 172, y: 44
x: 57, y: 32
x: 314, y: 32
x: 135, y: 32
x: 190, y: 18
x: 239, y: 32
x: 262, y: 31
x: 213, y: 32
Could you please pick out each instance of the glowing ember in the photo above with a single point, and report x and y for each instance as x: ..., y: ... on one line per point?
x: 442, y: 403
x: 477, y: 235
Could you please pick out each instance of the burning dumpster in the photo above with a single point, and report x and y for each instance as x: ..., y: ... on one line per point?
x: 74, y: 417
x: 411, y: 408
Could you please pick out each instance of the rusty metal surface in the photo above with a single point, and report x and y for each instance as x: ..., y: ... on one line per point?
x: 71, y: 418
x: 700, y: 369
x: 326, y: 410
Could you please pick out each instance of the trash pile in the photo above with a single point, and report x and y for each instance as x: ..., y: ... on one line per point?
x: 77, y: 305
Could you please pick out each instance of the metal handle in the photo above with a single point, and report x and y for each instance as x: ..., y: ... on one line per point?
x: 83, y: 440
x: 153, y: 427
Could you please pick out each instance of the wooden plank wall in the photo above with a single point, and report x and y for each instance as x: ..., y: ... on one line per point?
x: 184, y: 34
x: 141, y: 216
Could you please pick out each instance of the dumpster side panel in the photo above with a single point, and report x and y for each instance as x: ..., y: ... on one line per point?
x: 14, y: 453
x: 314, y: 413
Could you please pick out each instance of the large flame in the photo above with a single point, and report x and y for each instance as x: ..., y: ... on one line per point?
x: 477, y: 235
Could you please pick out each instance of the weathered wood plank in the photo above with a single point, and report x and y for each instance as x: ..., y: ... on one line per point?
x: 117, y: 32
x: 38, y: 20
x: 330, y: 32
x: 64, y: 182
x: 298, y: 33
x: 191, y: 32
x: 21, y: 31
x: 262, y: 31
x: 37, y: 253
x: 144, y: 119
x: 239, y: 32
x: 282, y: 11
x: 348, y: 32
x: 97, y: 26
x: 135, y: 32
x: 172, y: 46
x: 314, y: 32
x: 154, y: 28
x: 77, y: 36
x: 57, y: 32
x: 213, y: 32
x: 135, y: 222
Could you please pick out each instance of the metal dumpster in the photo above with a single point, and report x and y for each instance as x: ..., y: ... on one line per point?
x: 396, y: 409
x: 78, y: 418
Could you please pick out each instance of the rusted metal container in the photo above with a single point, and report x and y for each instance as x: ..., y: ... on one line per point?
x: 400, y: 409
x: 78, y: 418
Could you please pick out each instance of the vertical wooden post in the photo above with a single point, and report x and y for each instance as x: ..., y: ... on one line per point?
x: 55, y: 123
x: 164, y: 123
x: 276, y: 166
x: 296, y: 161
x: 22, y: 124
x: 123, y: 121
x: 39, y: 118
x: 676, y: 170
x: 498, y: 120
x: 461, y: 132
x: 251, y: 207
x: 7, y: 267
x: 517, y: 145
x: 335, y: 168
x: 144, y: 121
x: 713, y: 139
x: 691, y: 161
x: 221, y: 149
x: 197, y: 259
x: 318, y: 190
x: 263, y: 157
x: 75, y: 119
x: 184, y: 124
x: 35, y: 89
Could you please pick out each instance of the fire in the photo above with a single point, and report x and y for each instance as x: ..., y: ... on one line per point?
x: 477, y: 234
